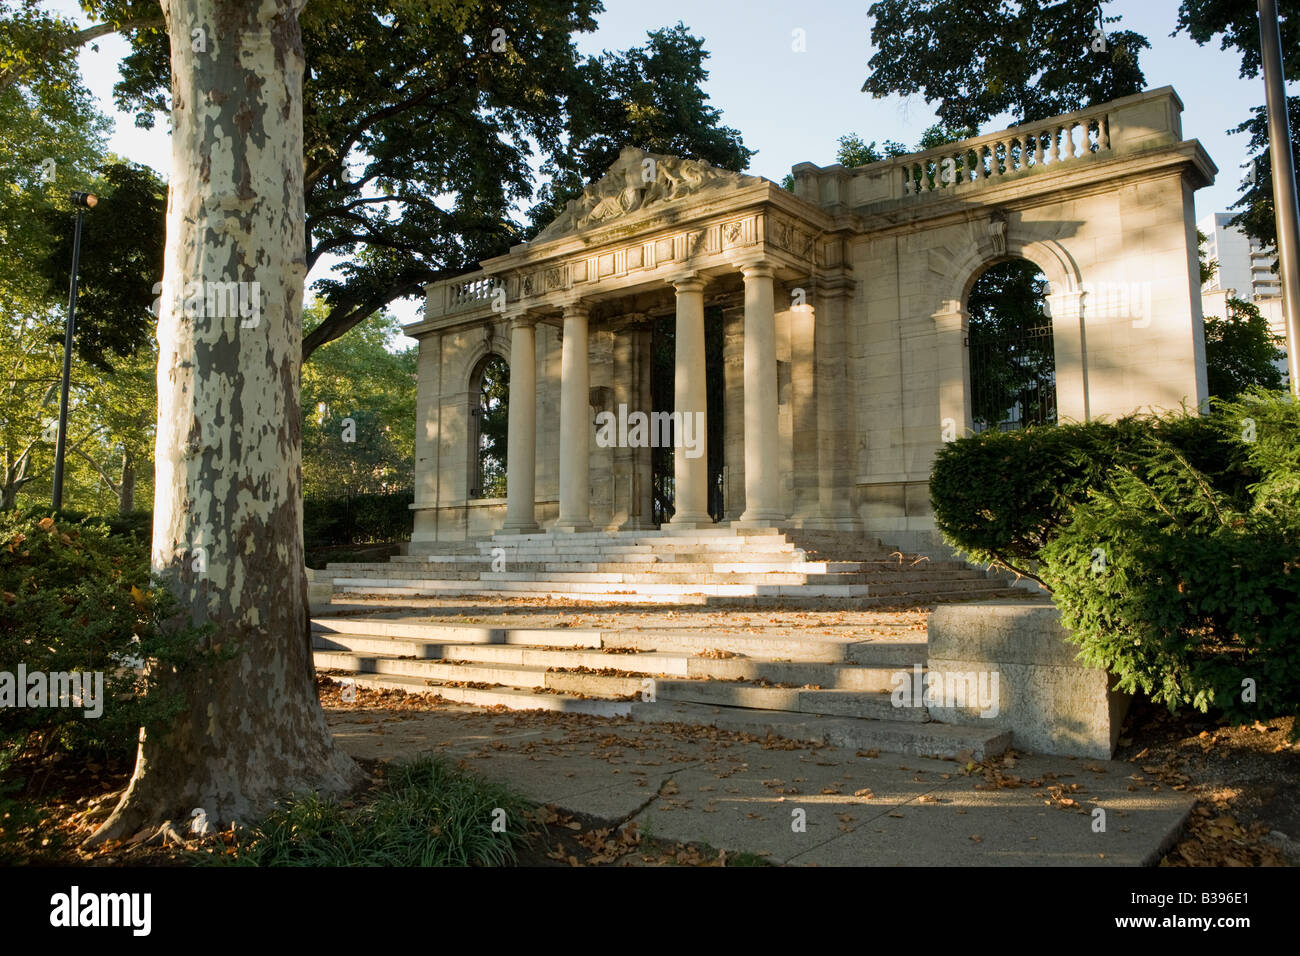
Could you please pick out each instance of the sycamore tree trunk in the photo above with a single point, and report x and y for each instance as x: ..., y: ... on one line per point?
x: 227, y: 533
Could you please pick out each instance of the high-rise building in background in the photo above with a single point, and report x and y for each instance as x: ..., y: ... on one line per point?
x: 1243, y: 263
x: 1244, y: 271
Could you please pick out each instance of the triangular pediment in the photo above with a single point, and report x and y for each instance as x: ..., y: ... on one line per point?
x: 640, y: 180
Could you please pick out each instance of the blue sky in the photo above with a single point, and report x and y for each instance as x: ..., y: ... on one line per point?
x: 792, y: 107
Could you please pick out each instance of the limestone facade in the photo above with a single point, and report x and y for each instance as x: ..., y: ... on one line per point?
x: 843, y: 303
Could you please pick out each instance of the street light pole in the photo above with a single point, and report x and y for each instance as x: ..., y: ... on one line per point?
x: 83, y: 201
x: 1285, y: 208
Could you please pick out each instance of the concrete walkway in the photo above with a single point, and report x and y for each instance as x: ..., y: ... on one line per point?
x: 744, y: 794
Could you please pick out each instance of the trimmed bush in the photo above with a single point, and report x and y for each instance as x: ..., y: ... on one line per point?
x: 74, y: 598
x: 1171, y: 544
x: 1000, y: 497
x: 357, y: 519
x: 1188, y: 591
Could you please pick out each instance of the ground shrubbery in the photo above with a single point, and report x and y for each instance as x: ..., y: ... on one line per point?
x: 1171, y: 544
x: 76, y: 598
x: 357, y: 519
x: 428, y: 814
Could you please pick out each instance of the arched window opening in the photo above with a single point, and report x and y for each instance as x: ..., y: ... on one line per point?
x: 1012, y: 363
x: 490, y: 417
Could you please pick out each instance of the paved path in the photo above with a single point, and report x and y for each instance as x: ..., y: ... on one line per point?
x: 743, y: 794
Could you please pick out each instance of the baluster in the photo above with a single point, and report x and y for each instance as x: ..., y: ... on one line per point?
x: 1038, y: 149
x: 1103, y: 132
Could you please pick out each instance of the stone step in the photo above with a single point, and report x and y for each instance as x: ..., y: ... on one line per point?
x: 376, y: 626
x: 423, y: 639
x: 516, y: 675
x: 670, y: 577
x: 800, y: 700
x: 511, y: 698
x: 525, y: 585
x: 648, y: 535
x: 771, y: 648
x: 646, y: 553
x: 928, y: 739
x: 822, y: 598
x: 880, y: 582
x: 561, y: 583
x: 840, y: 676
x: 524, y: 676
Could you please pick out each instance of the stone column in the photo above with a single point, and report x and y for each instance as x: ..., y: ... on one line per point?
x: 428, y: 409
x: 575, y: 421
x: 690, y: 398
x: 733, y: 370
x: 952, y: 328
x: 762, y: 447
x: 1070, y: 348
x: 633, y: 508
x: 521, y: 436
x: 837, y: 435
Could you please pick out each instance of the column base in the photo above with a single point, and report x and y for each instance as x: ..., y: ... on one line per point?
x: 519, y: 527
x: 571, y: 527
x: 688, y: 521
x: 823, y: 523
x: 756, y: 519
x: 636, y: 524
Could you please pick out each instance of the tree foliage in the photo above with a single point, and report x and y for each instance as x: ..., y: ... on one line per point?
x: 358, y: 412
x: 1241, y: 352
x: 648, y: 96
x: 973, y: 61
x: 424, y: 122
x: 1236, y: 24
x: 121, y: 262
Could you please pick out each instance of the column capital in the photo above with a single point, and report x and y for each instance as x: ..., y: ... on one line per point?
x: 523, y: 320
x: 756, y: 268
x: 574, y: 306
x: 690, y: 282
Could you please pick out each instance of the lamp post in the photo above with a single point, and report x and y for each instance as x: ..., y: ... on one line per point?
x: 1285, y: 209
x: 82, y: 201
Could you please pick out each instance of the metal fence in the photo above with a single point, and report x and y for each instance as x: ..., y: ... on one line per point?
x: 1013, y: 378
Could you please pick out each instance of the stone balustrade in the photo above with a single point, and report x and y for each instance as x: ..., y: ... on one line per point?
x: 1113, y: 130
x: 465, y: 293
x: 972, y: 162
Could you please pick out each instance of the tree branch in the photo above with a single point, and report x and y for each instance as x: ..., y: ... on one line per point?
x: 75, y: 39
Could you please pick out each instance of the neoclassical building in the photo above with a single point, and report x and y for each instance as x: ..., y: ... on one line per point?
x: 845, y: 359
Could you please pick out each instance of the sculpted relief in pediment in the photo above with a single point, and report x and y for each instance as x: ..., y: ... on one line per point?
x: 637, y: 180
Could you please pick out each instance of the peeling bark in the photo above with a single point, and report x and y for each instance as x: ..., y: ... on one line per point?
x: 228, y: 467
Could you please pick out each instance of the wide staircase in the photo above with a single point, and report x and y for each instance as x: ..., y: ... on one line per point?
x: 719, y: 661
x: 824, y: 686
x: 707, y: 566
